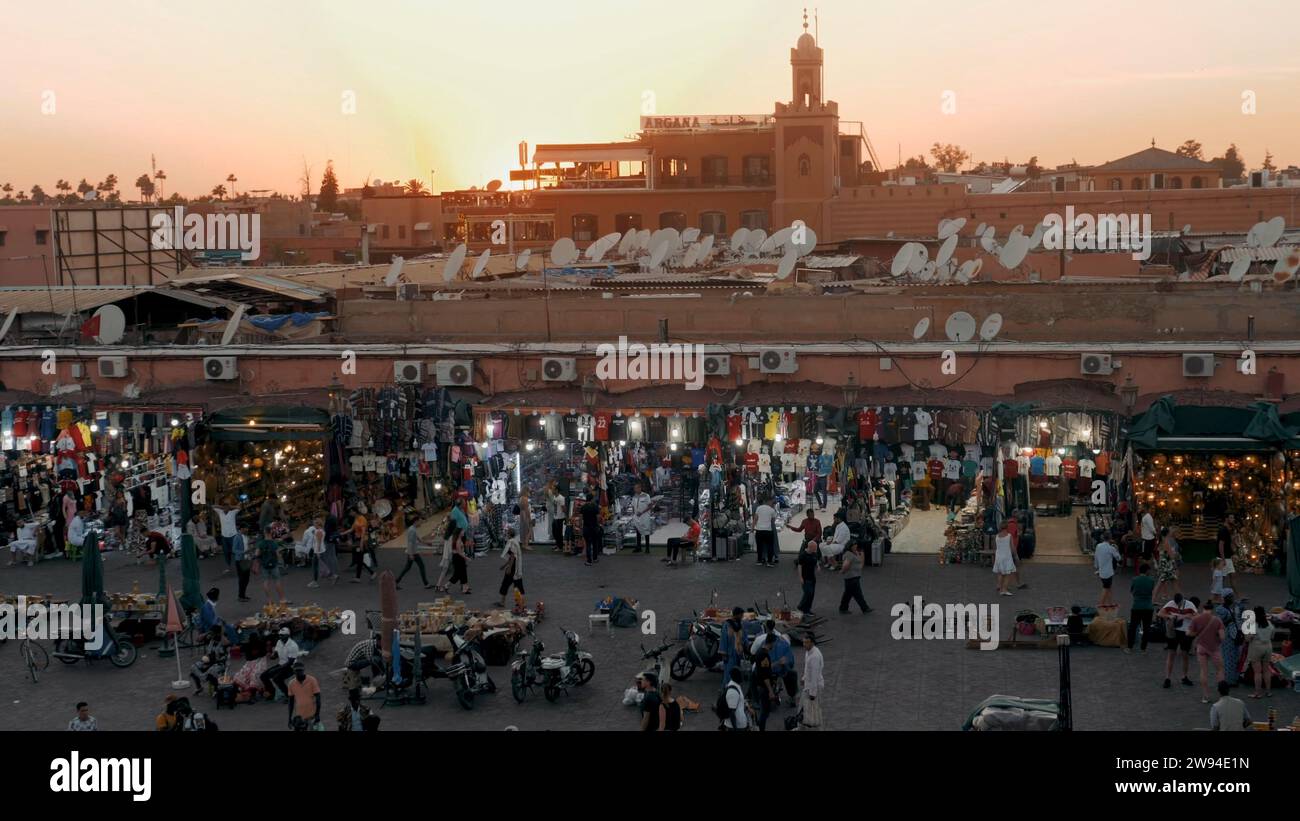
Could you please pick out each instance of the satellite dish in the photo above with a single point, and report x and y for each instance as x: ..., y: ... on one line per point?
x: 902, y: 261
x: 642, y: 239
x: 927, y: 271
x: 921, y: 328
x: 991, y: 326
x: 1282, y: 271
x: 806, y: 247
x: 1187, y: 229
x: 968, y: 269
x: 706, y: 247
x: 625, y: 244
x: 658, y: 252
x: 452, y: 269
x: 986, y: 240
x: 692, y: 253
x: 777, y: 240
x: 979, y: 230
x: 960, y: 327
x: 945, y: 271
x: 521, y: 261
x: 495, y: 185
x: 1265, y: 234
x: 1013, y: 253
x: 112, y: 324
x: 227, y: 335
x: 786, y: 265
x: 564, y: 252
x: 920, y: 256
x: 596, y: 250
x: 1239, y: 269
x: 481, y: 265
x: 738, y: 238
x: 756, y: 238
x: 674, y: 238
x: 1037, y: 237
x: 945, y: 250
x: 949, y: 228
x: 690, y: 235
x: 394, y: 271
x: 890, y: 235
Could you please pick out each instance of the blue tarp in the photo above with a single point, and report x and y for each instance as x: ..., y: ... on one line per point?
x: 274, y: 322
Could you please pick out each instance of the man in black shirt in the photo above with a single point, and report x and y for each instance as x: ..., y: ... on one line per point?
x: 591, y: 529
x: 807, y: 565
x: 650, y: 702
x: 762, y: 680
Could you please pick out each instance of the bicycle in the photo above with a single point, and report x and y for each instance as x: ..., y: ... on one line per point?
x: 34, y: 657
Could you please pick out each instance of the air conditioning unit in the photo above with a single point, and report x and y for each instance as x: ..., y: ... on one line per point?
x: 559, y: 369
x: 1095, y: 364
x: 1198, y: 364
x: 220, y: 367
x: 78, y: 370
x: 454, y: 372
x: 775, y: 360
x: 112, y: 367
x: 717, y: 365
x: 408, y: 373
x: 408, y: 291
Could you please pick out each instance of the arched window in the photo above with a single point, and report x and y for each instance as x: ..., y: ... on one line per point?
x: 1116, y: 184
x: 673, y: 219
x: 1175, y: 182
x: 627, y: 222
x: 713, y: 222
x: 1197, y: 182
x: 584, y: 227
x: 805, y: 165
x: 1137, y: 184
x: 753, y: 219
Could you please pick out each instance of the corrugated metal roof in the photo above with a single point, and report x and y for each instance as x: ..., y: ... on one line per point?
x: 1270, y: 254
x: 81, y: 298
x: 840, y: 261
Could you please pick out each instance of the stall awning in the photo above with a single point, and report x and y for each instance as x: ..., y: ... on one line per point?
x: 592, y: 152
x: 1168, y: 426
x: 1211, y: 444
x: 263, y: 423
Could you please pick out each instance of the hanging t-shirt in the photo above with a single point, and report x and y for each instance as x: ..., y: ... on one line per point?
x: 656, y: 429
x: 753, y: 446
x: 602, y: 421
x: 764, y: 463
x: 1010, y: 468
x: 751, y: 462
x: 791, y: 446
x: 773, y: 425
x: 1024, y: 463
x: 1037, y: 466
x: 936, y: 469
x: 805, y: 447
x: 922, y: 430
x: 1102, y: 467
x: 938, y: 450
x: 676, y: 429
x: 986, y: 464
x: 618, y: 429
x: 1069, y: 469
x: 868, y: 420
x: 908, y: 452
x: 891, y: 472
x: 969, y: 467
x: 429, y: 451
x: 553, y: 427
x: 972, y: 453
x: 358, y: 463
x: 533, y: 427
x: 571, y: 424
x: 787, y: 463
x: 1086, y: 467
x: 887, y: 430
x: 734, y: 420
x: 1053, y: 465
x: 951, y: 469
x: 919, y: 469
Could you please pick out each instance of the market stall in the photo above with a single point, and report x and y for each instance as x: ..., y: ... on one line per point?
x: 498, y: 631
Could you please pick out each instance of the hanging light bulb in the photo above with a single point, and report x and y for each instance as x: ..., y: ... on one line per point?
x: 560, y: 446
x: 111, y: 432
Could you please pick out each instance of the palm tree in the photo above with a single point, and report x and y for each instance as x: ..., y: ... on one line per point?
x: 160, y: 175
x: 84, y: 188
x: 8, y: 189
x: 22, y: 196
x: 63, y: 187
x: 146, y: 187
x: 231, y: 179
x: 414, y: 187
x: 108, y: 186
x: 219, y: 192
x: 38, y: 195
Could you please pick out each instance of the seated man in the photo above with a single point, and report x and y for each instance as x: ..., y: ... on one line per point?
x: 24, y: 543
x: 77, y: 529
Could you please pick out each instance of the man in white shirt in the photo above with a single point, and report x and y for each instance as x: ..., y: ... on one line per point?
x: 1178, y: 614
x: 228, y: 517
x: 1105, y: 560
x: 1149, y: 534
x: 814, y: 684
x: 765, y: 533
x: 24, y: 543
x: 277, y: 675
x: 313, y: 545
x: 1228, y: 713
x: 735, y: 696
x: 77, y: 529
x: 833, y: 547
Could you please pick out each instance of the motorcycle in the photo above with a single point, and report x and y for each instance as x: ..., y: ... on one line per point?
x: 119, y: 650
x: 466, y: 669
x: 554, y: 673
x: 703, y: 650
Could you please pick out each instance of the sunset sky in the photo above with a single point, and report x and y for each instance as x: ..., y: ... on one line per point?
x: 255, y: 88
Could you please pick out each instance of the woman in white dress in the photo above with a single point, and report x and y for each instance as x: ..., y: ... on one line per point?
x: 1004, y: 563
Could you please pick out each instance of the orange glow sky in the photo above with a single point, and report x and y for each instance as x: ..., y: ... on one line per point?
x: 254, y: 88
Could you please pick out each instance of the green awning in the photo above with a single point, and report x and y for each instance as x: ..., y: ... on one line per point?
x: 1208, y: 444
x: 1170, y: 427
x: 264, y: 423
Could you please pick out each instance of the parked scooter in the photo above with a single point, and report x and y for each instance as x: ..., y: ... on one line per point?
x: 554, y: 673
x: 703, y: 650
x: 466, y: 669
x: 119, y: 650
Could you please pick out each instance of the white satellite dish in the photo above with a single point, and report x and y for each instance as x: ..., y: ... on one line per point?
x: 596, y: 250
x: 902, y: 260
x: 658, y: 252
x: 945, y: 250
x: 927, y: 271
x: 452, y: 269
x: 674, y: 239
x: 706, y: 247
x: 521, y: 261
x: 690, y: 235
x: 968, y: 270
x: 979, y: 230
x: 960, y: 327
x: 564, y: 252
x: 990, y: 327
x: 986, y: 240
x: 1187, y: 229
x: 945, y: 271
x: 1264, y: 234
x: 692, y: 254
x: 920, y: 256
x: 625, y: 244
x: 777, y: 240
x: 1284, y: 269
x: 756, y: 238
x: 394, y: 271
x: 1013, y: 253
x: 1239, y: 269
x: 1036, y: 238
x: 806, y: 247
x: 643, y: 239
x: 738, y: 238
x: 231, y: 326
x: 949, y: 228
x: 481, y: 265
x: 921, y: 327
x: 786, y: 265
x: 112, y: 324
